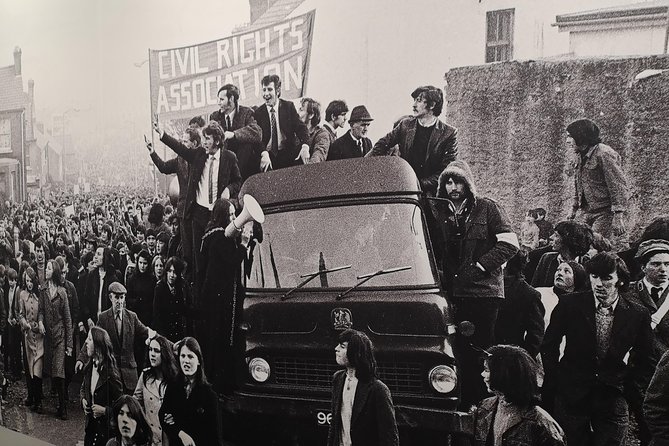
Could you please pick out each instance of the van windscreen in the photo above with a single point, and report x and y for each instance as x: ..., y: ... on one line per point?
x: 370, y: 237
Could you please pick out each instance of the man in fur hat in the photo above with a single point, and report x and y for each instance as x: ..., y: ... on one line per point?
x: 478, y: 241
x: 601, y: 187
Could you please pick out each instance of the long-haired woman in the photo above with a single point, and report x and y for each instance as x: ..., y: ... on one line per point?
x: 172, y: 302
x: 220, y: 292
x: 31, y: 320
x: 100, y: 388
x: 129, y: 424
x: 158, y: 268
x: 141, y: 286
x: 102, y: 273
x: 375, y: 423
x: 188, y: 413
x: 153, y: 382
x: 58, y: 324
x: 512, y: 416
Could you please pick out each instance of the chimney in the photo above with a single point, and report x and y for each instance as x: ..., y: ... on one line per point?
x: 17, y: 61
x: 31, y: 89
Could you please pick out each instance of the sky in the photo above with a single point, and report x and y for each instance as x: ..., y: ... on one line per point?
x: 82, y: 54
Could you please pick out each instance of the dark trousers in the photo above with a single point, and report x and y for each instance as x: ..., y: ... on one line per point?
x: 284, y: 158
x: 600, y: 419
x: 482, y: 312
x: 12, y: 350
x: 186, y: 231
x: 199, y: 220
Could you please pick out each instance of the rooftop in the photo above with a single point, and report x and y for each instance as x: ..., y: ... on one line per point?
x: 12, y: 96
x: 631, y: 11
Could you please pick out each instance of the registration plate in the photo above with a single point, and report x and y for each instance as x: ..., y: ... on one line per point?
x: 323, y: 418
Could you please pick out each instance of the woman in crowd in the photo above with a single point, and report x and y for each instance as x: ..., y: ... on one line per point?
x: 153, y: 382
x: 31, y: 320
x: 570, y: 277
x: 102, y: 274
x: 512, y: 416
x: 375, y: 421
x: 571, y: 240
x: 129, y: 424
x: 73, y: 300
x: 58, y: 324
x: 101, y: 386
x: 188, y: 413
x: 221, y: 260
x: 158, y: 268
x: 141, y: 286
x: 172, y: 302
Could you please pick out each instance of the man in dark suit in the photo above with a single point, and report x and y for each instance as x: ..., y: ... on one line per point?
x: 609, y: 354
x: 427, y: 143
x: 214, y: 174
x: 242, y: 133
x: 123, y: 327
x: 284, y: 135
x: 354, y: 143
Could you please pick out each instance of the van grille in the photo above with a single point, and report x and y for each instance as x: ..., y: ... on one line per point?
x: 400, y: 377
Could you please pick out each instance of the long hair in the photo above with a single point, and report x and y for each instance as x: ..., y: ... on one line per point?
x: 103, y: 352
x: 144, y: 254
x: 30, y: 273
x: 513, y: 373
x: 168, y: 363
x: 220, y: 215
x: 179, y: 267
x: 194, y: 346
x: 604, y: 263
x: 360, y: 354
x: 576, y: 237
x: 143, y: 431
x: 153, y: 266
x: 57, y: 275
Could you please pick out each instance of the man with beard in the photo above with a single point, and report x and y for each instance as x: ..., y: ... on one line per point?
x: 601, y: 187
x: 284, y: 135
x: 478, y: 241
x: 354, y: 143
x: 242, y: 132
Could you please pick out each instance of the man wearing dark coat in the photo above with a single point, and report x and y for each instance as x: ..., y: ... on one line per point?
x: 242, y: 133
x: 284, y: 135
x: 354, y: 143
x: 656, y: 404
x: 608, y: 355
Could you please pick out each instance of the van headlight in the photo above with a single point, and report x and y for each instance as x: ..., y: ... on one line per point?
x: 259, y: 369
x: 443, y: 378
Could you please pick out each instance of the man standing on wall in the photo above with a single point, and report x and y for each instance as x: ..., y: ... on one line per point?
x: 600, y: 182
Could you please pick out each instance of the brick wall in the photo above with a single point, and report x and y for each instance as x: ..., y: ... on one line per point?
x: 512, y: 118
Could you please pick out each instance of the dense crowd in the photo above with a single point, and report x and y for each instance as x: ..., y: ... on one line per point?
x: 142, y: 295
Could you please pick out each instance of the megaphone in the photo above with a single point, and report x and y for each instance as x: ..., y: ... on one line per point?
x: 251, y: 211
x: 173, y: 191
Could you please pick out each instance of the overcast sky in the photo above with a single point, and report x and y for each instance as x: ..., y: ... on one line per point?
x: 82, y: 53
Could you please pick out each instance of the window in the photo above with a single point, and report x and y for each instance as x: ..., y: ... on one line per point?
x: 499, y: 36
x: 5, y: 136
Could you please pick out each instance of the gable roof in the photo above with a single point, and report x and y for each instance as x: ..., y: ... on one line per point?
x: 12, y: 96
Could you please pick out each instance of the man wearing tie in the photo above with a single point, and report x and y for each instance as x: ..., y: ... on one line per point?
x: 242, y: 132
x: 651, y: 292
x: 284, y: 135
x: 123, y: 327
x: 354, y: 143
x: 214, y: 174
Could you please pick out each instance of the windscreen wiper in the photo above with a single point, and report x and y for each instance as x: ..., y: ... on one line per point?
x: 366, y: 277
x: 312, y: 276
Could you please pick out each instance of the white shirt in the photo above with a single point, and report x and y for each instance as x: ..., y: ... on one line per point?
x: 102, y: 282
x: 278, y: 125
x: 613, y: 305
x: 347, y: 400
x: 649, y: 286
x: 203, y: 190
x: 95, y: 377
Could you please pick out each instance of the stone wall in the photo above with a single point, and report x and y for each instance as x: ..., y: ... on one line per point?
x: 512, y: 118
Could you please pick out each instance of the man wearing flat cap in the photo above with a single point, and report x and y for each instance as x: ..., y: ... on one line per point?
x: 354, y: 143
x: 123, y: 327
x: 651, y: 292
x: 600, y: 184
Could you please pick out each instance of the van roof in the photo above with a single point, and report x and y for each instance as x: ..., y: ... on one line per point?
x: 381, y: 175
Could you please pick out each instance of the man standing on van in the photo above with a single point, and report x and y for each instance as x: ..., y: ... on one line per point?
x: 424, y: 140
x: 478, y: 241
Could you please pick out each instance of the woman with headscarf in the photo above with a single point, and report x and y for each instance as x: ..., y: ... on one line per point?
x: 58, y: 324
x: 569, y: 277
x: 219, y: 293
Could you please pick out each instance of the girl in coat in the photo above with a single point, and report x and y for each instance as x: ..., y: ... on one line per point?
x: 158, y: 268
x: 153, y: 382
x: 357, y: 390
x: 512, y: 416
x: 171, y: 302
x: 129, y: 424
x: 31, y: 320
x: 101, y: 386
x: 58, y: 324
x: 188, y: 413
x: 219, y: 294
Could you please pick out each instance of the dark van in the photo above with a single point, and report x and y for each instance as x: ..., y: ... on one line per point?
x: 345, y: 245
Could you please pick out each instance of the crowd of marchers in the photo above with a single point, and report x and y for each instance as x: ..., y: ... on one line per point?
x: 143, y: 299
